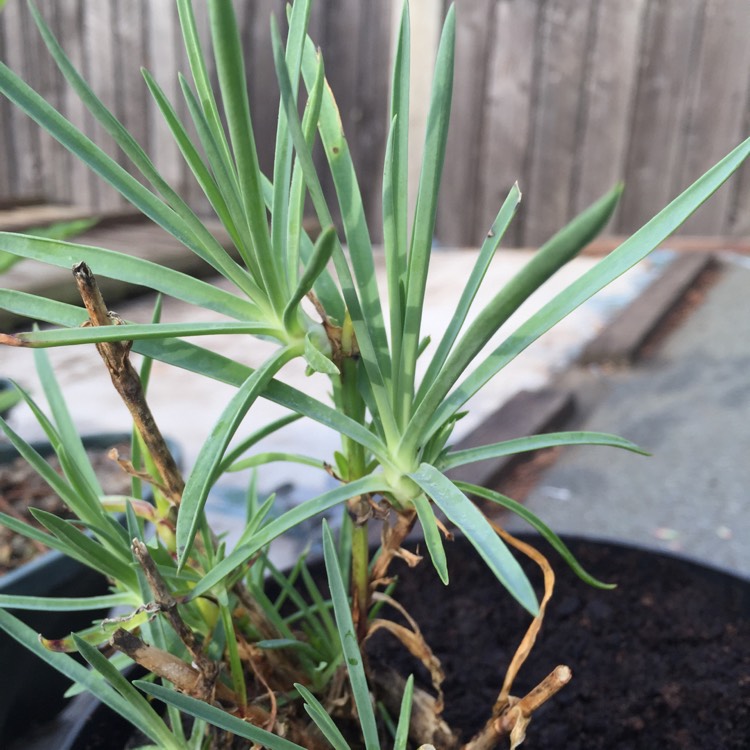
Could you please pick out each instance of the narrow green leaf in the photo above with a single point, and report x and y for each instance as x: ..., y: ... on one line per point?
x: 217, y: 717
x: 119, y: 660
x: 432, y: 536
x: 535, y: 443
x: 67, y: 604
x: 227, y: 184
x: 204, y: 362
x: 81, y: 504
x: 209, y: 458
x: 322, y: 605
x: 297, y: 190
x: 367, y: 315
x: 41, y: 309
x: 63, y: 230
x: 231, y: 73
x: 426, y: 212
x: 470, y: 289
x: 299, y: 17
x: 96, y: 159
x: 535, y: 522
x: 607, y: 270
x: 202, y: 80
x: 136, y: 332
x: 66, y: 428
x: 255, y: 437
x: 134, y: 270
x: 349, y: 645
x: 208, y: 183
x: 397, y: 187
x: 293, y: 517
x: 205, y: 245
x: 353, y: 218
x: 236, y: 670
x: 149, y: 720
x: 394, y: 264
x: 322, y: 252
x: 95, y: 555
x: 462, y: 512
x: 322, y: 720
x: 31, y: 532
x: 8, y: 399
x: 260, y: 459
x: 404, y: 717
x: 554, y: 254
x: 318, y: 361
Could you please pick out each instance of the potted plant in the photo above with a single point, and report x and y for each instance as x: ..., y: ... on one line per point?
x: 292, y: 671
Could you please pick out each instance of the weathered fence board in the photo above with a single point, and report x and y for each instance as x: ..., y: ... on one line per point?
x: 664, y: 89
x: 565, y: 96
x: 503, y: 152
x: 609, y: 90
x: 462, y: 159
x: 724, y: 48
x: 557, y: 121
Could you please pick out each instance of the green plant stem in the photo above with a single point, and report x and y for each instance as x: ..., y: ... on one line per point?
x: 360, y: 579
x: 353, y: 406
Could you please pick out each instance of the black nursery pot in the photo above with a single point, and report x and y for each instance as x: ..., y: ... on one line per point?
x: 660, y: 662
x: 30, y: 690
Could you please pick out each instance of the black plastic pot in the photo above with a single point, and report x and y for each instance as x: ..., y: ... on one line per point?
x: 622, y: 697
x: 30, y: 690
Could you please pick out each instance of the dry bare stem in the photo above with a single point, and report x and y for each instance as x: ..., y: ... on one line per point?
x: 392, y: 538
x: 116, y: 356
x: 185, y: 677
x: 524, y: 649
x: 168, y: 606
x: 511, y: 716
x: 415, y: 643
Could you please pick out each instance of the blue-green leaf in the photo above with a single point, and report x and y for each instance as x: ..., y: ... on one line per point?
x: 432, y: 536
x: 217, y: 717
x: 462, y: 512
x: 535, y: 443
x: 536, y: 523
x: 211, y: 453
x: 293, y: 517
x: 349, y: 644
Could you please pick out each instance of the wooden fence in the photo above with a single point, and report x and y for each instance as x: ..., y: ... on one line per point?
x: 565, y: 96
x: 110, y: 40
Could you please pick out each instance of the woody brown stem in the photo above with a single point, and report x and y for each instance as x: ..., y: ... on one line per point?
x: 168, y: 606
x: 186, y: 678
x: 518, y: 712
x: 127, y: 383
x: 546, y: 689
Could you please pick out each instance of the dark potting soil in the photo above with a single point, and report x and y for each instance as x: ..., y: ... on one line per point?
x: 660, y: 663
x: 21, y: 488
x: 663, y: 661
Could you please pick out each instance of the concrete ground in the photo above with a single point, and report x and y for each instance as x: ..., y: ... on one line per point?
x: 689, y: 405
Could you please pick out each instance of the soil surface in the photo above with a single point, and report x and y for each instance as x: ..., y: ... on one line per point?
x: 22, y: 488
x: 663, y: 661
x: 660, y: 663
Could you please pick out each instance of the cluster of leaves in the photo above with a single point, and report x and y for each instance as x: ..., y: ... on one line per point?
x: 395, y: 429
